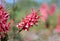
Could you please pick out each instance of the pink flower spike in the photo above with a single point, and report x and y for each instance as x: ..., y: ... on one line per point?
x: 58, y: 20
x: 29, y: 21
x: 57, y: 29
x: 52, y: 9
x: 43, y: 11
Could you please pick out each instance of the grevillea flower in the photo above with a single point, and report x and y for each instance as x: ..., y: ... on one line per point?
x: 52, y: 9
x: 4, y: 26
x: 43, y: 11
x: 29, y: 21
x: 57, y: 29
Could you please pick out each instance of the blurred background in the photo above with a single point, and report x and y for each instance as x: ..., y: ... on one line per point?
x: 19, y: 9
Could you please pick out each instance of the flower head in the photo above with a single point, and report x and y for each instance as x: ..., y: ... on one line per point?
x: 4, y: 26
x: 29, y: 21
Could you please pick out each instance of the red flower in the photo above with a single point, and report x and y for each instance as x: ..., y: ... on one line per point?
x: 4, y: 26
x: 29, y: 21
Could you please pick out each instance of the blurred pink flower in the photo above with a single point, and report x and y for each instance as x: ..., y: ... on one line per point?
x: 43, y: 11
x: 57, y: 29
x: 52, y: 9
x: 58, y: 20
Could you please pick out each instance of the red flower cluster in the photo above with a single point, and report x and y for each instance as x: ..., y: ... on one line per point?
x: 29, y: 21
x: 4, y: 26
